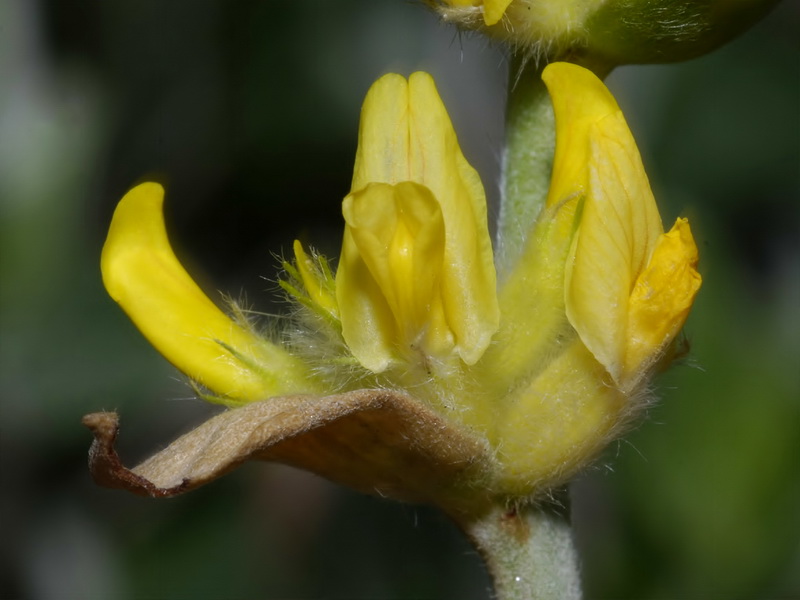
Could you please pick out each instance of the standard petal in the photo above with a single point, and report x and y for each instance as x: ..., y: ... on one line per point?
x: 618, y: 230
x: 580, y: 100
x: 382, y: 155
x: 140, y: 271
x: 469, y: 281
x: 662, y: 297
x: 597, y: 159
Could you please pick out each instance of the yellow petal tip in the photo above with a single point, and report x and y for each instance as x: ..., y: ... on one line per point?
x: 142, y: 273
x: 662, y: 297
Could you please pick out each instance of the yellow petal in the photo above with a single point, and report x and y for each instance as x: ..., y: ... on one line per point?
x: 469, y: 281
x: 406, y: 135
x: 493, y: 10
x: 397, y: 232
x: 400, y: 233
x: 140, y: 271
x: 597, y: 158
x: 383, y: 135
x: 580, y: 100
x: 662, y: 297
x: 368, y: 326
x: 532, y: 294
x: 319, y: 285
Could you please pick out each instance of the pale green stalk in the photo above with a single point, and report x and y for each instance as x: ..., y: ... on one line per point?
x: 528, y: 550
x: 529, y: 149
x: 527, y: 162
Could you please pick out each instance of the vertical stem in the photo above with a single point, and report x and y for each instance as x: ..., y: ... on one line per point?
x: 529, y: 150
x: 527, y: 161
x: 529, y: 552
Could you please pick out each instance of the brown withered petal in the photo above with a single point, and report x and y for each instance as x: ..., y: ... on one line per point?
x: 376, y: 441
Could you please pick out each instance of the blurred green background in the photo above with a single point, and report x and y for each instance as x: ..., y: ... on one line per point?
x: 248, y: 111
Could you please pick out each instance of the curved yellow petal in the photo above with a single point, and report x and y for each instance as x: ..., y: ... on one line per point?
x: 662, y: 297
x: 469, y: 282
x: 368, y: 326
x: 140, y: 271
x: 597, y: 159
x: 579, y: 100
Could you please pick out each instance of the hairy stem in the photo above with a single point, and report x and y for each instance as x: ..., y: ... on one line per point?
x: 529, y: 552
x: 529, y: 150
x: 527, y: 161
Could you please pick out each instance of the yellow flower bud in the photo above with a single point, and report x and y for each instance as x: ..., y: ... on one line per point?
x: 317, y: 283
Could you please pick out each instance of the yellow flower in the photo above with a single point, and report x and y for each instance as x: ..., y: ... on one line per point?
x: 597, y: 297
x: 460, y: 387
x: 416, y: 275
x: 622, y: 269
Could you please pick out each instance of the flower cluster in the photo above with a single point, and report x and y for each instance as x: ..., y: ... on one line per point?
x: 473, y: 388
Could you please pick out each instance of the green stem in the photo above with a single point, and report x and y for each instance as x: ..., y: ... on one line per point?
x: 529, y: 150
x: 528, y: 159
x: 529, y: 552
